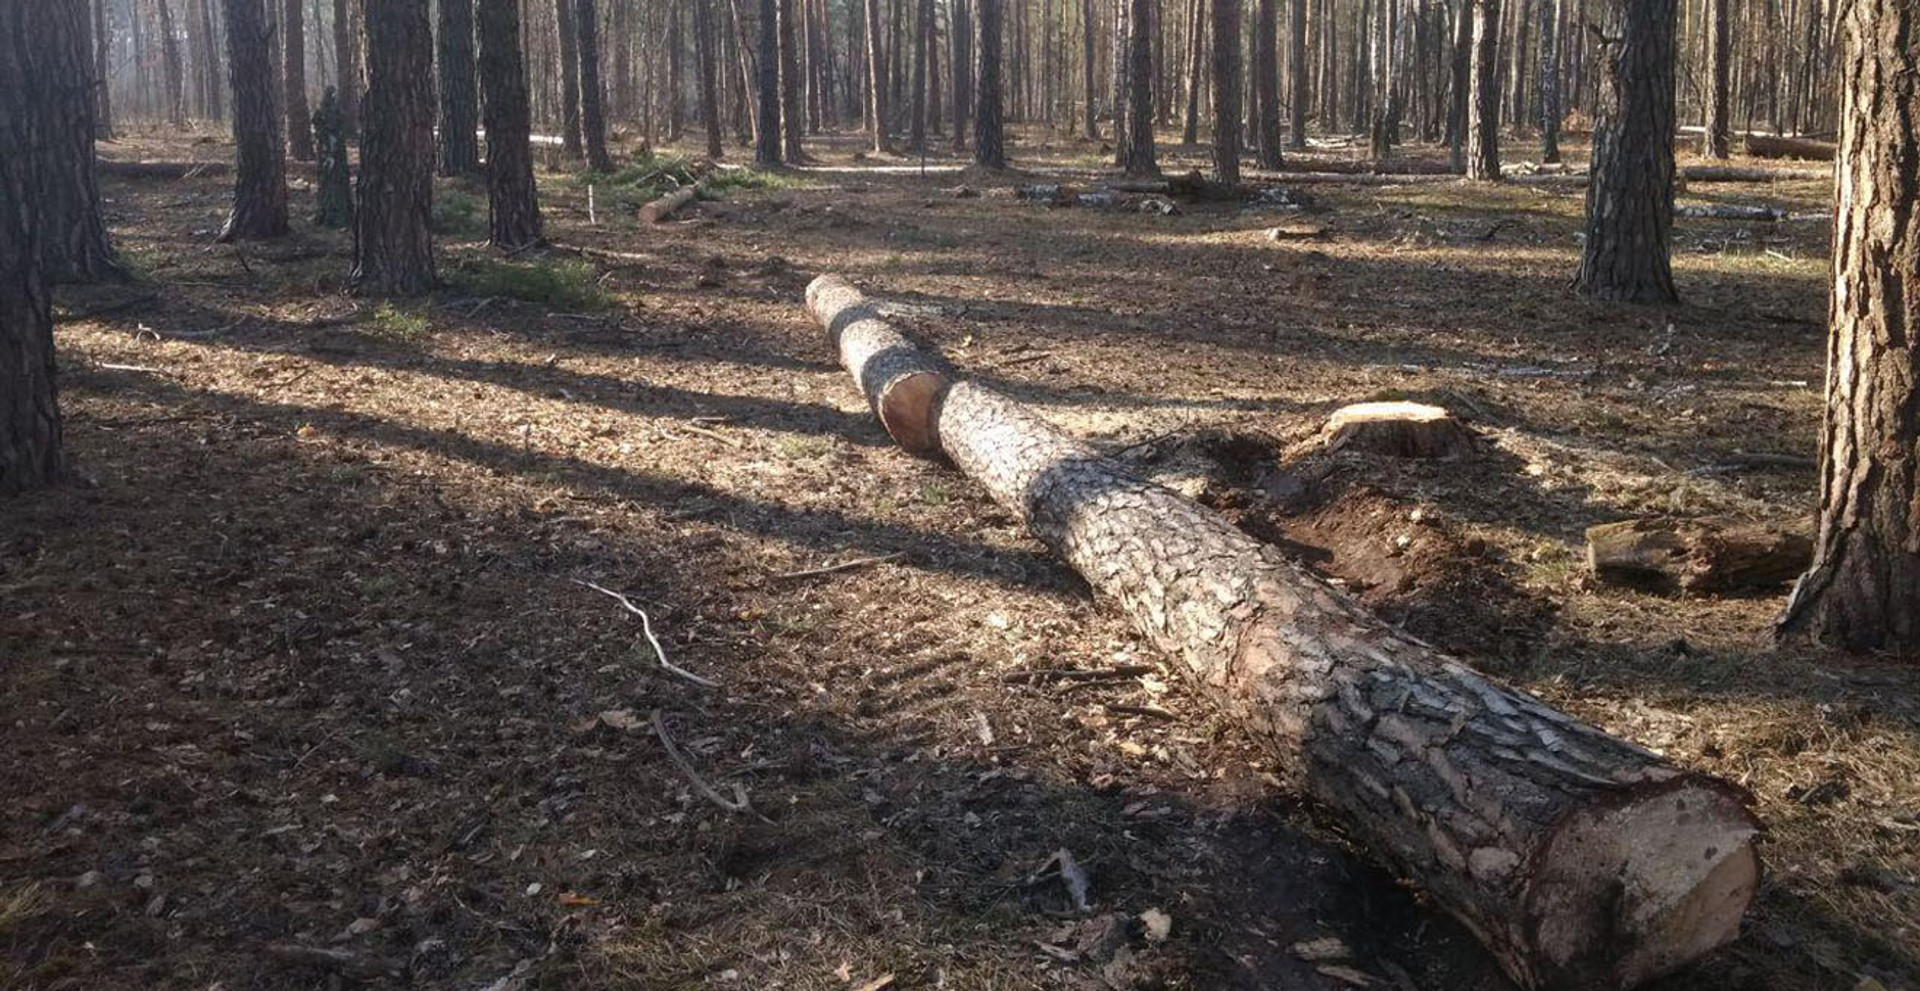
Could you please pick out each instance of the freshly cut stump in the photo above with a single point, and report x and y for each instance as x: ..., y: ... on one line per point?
x: 901, y: 382
x: 1397, y: 429
x: 1580, y: 860
x: 664, y: 207
x: 1697, y: 555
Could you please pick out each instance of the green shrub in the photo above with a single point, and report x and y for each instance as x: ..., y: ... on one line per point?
x: 571, y: 285
x: 391, y: 321
x: 457, y: 214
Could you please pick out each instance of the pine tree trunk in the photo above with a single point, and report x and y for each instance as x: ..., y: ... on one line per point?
x: 176, y: 106
x: 1385, y: 91
x: 1140, y: 159
x: 1459, y: 84
x: 66, y: 199
x: 917, y: 121
x: 513, y: 204
x: 593, y: 89
x: 876, y: 80
x: 102, y: 62
x: 30, y: 439
x: 459, y: 100
x: 1718, y: 139
x: 793, y: 86
x: 294, y: 75
x: 1483, y: 101
x: 346, y: 58
x: 392, y: 244
x: 766, y: 147
x: 260, y: 169
x: 1190, y: 126
x: 1297, y: 73
x: 1226, y: 91
x: 1630, y: 194
x: 709, y: 72
x: 1865, y: 579
x: 1550, y: 108
x: 676, y: 75
x: 571, y: 142
x: 960, y: 64
x: 989, y: 144
x: 1089, y: 115
x: 1122, y: 74
x: 1266, y: 83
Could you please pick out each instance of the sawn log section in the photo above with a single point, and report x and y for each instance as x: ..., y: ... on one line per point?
x: 1580, y: 860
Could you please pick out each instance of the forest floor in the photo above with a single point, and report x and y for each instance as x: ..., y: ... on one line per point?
x: 303, y: 659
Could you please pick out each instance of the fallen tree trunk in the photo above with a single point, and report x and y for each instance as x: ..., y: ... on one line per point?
x: 1579, y: 860
x: 1736, y: 173
x: 1697, y: 555
x: 664, y: 207
x: 1768, y: 146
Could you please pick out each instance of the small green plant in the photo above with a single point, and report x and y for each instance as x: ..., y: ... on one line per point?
x: 571, y: 285
x: 391, y: 321
x: 456, y: 214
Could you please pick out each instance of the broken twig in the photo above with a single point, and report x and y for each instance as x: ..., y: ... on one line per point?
x: 739, y: 801
x: 859, y: 562
x: 646, y: 626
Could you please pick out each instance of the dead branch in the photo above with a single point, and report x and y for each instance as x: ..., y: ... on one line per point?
x: 646, y: 626
x: 739, y: 801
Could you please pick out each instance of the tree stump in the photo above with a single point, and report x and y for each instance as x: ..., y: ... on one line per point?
x: 1696, y: 555
x: 1398, y: 430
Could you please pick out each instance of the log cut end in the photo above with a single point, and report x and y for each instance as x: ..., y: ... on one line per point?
x: 1625, y: 892
x: 901, y: 383
x: 906, y: 408
x: 1397, y: 429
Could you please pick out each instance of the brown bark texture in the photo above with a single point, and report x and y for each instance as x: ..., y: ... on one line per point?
x: 989, y: 140
x: 1865, y: 579
x: 1297, y: 73
x: 876, y: 79
x: 346, y: 62
x: 1483, y: 97
x: 293, y: 73
x: 30, y: 440
x: 1630, y: 184
x: 704, y: 41
x: 70, y: 232
x: 1580, y: 860
x: 1138, y: 139
x: 571, y: 143
x: 1697, y: 555
x: 459, y: 98
x: 1717, y: 141
x: 260, y: 165
x: 767, y: 137
x: 102, y: 58
x: 1226, y: 90
x: 170, y: 65
x: 793, y: 86
x: 593, y: 89
x: 1266, y: 83
x: 392, y: 244
x: 513, y: 207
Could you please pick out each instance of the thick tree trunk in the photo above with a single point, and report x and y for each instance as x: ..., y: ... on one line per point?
x: 766, y: 140
x: 1226, y: 91
x: 709, y: 71
x: 571, y: 142
x: 70, y: 232
x: 876, y: 80
x: 593, y: 89
x: 1196, y: 59
x: 989, y: 142
x: 102, y: 63
x: 1483, y: 102
x: 30, y: 441
x: 260, y: 167
x: 459, y: 99
x: 1717, y: 142
x: 1860, y: 592
x: 1297, y: 74
x: 1385, y: 123
x: 169, y: 65
x: 1459, y: 84
x: 1266, y: 83
x: 1630, y: 193
x: 294, y: 77
x: 513, y: 204
x: 392, y: 244
x: 1550, y: 109
x: 922, y: 39
x: 1139, y: 137
x: 1578, y: 859
x: 346, y: 59
x: 793, y: 87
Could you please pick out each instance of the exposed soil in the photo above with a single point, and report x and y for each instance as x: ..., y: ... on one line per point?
x: 302, y: 662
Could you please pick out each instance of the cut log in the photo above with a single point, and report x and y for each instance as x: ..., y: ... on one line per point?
x: 1766, y: 146
x: 1578, y: 859
x: 1398, y: 430
x: 1748, y: 211
x: 1736, y: 173
x: 901, y: 382
x: 665, y: 206
x: 1697, y: 555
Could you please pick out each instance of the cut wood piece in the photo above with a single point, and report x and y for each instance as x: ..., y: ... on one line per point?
x: 1700, y: 555
x: 1580, y: 860
x: 902, y: 383
x: 665, y: 206
x: 1397, y: 429
x: 1736, y: 173
x: 1765, y: 146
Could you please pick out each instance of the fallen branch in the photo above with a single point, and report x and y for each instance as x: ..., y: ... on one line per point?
x: 665, y: 206
x: 646, y: 626
x: 842, y: 566
x: 1149, y: 711
x: 739, y: 801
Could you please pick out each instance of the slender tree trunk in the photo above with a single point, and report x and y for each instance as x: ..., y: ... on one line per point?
x: 571, y: 141
x: 1483, y: 102
x: 294, y: 75
x: 260, y: 171
x: 170, y: 64
x: 676, y: 75
x: 1630, y: 194
x: 709, y: 99
x: 922, y: 37
x: 793, y: 87
x: 459, y: 101
x: 346, y: 56
x: 766, y: 149
x: 960, y: 64
x: 1459, y: 84
x: 1122, y: 73
x: 1226, y: 91
x: 392, y: 244
x: 513, y: 206
x: 593, y: 90
x: 1550, y: 110
x: 1089, y: 117
x: 102, y: 66
x: 1718, y: 140
x: 989, y: 145
x: 1385, y: 90
x: 216, y: 76
x: 1190, y: 126
x: 1860, y: 592
x: 1140, y: 151
x: 1297, y: 73
x: 876, y: 79
x: 31, y: 452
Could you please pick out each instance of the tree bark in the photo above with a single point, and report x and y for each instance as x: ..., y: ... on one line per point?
x: 1460, y: 85
x: 1630, y: 191
x: 922, y: 40
x: 1139, y: 137
x: 70, y: 232
x: 346, y: 58
x: 571, y: 143
x: 1385, y: 123
x: 260, y: 167
x: 1860, y: 592
x: 989, y: 143
x: 793, y: 86
x: 1717, y: 142
x: 459, y: 98
x: 593, y: 89
x: 1089, y: 119
x: 1266, y: 83
x: 960, y: 64
x: 876, y: 80
x: 709, y: 71
x: 1227, y: 99
x: 294, y: 77
x: 31, y: 453
x: 766, y: 146
x: 392, y: 243
x: 170, y: 65
x: 102, y: 63
x: 1297, y: 73
x: 1196, y: 59
x: 1550, y: 109
x: 1483, y: 102
x: 513, y: 205
x: 1579, y: 860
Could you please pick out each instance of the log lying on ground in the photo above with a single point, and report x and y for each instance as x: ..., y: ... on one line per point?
x: 901, y: 382
x: 1749, y: 211
x: 1579, y: 860
x: 1736, y: 173
x: 664, y: 207
x: 1767, y: 146
x: 1697, y: 555
x: 1398, y: 430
